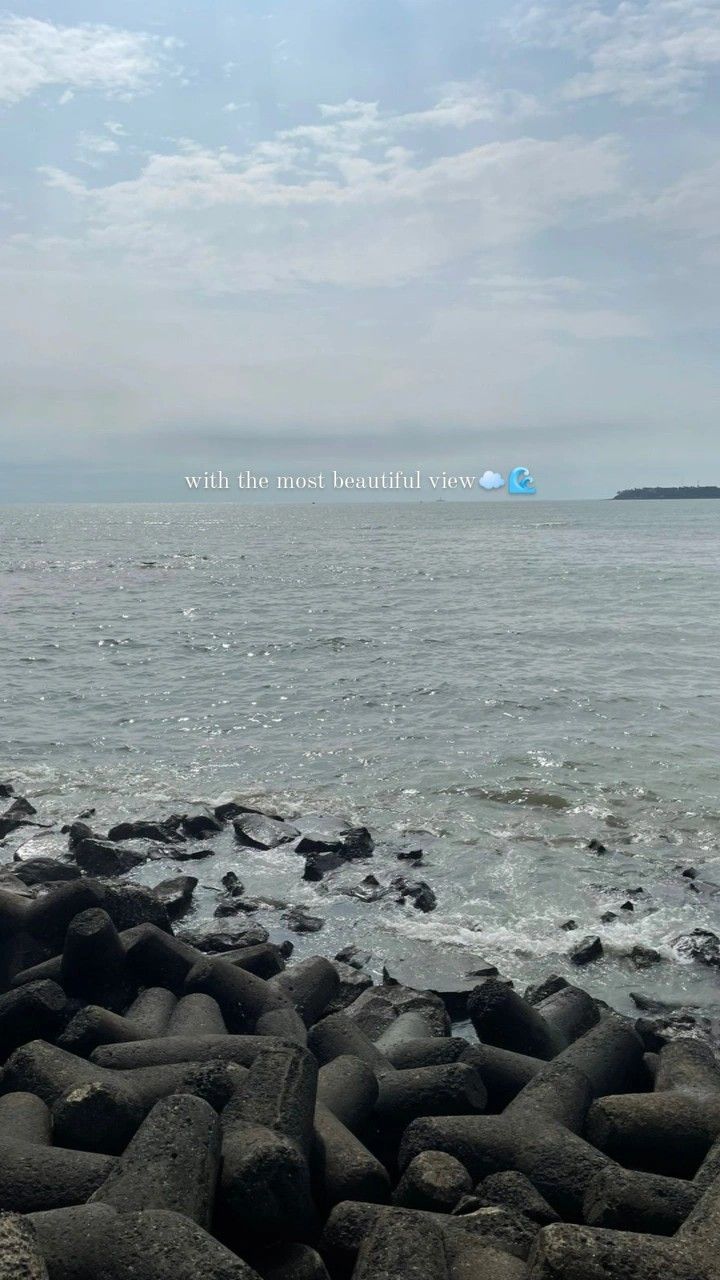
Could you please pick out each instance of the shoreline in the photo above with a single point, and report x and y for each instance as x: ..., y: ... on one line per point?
x: 238, y: 1114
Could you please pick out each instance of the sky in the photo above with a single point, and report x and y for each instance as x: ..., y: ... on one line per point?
x: 360, y: 234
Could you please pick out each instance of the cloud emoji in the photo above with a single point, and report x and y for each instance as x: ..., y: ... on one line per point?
x: 491, y: 480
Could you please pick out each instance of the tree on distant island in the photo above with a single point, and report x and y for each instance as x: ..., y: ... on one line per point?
x: 676, y: 491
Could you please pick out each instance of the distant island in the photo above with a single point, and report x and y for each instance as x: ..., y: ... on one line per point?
x: 677, y: 491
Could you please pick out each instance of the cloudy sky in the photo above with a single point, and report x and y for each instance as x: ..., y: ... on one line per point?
x: 361, y: 233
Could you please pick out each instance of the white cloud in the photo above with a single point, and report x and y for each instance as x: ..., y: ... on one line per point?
x: 35, y: 54
x: 288, y: 212
x: 491, y: 480
x: 637, y: 51
x: 689, y: 206
x: 92, y: 147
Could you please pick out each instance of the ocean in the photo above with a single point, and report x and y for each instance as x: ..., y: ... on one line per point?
x: 496, y: 682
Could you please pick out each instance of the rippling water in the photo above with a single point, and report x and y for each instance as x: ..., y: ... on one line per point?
x: 502, y: 681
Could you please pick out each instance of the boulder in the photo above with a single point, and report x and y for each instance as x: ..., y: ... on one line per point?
x: 301, y: 922
x: 260, y: 832
x: 165, y: 832
x: 418, y: 892
x: 44, y: 871
x: 587, y: 951
x: 701, y: 945
x: 176, y: 894
x: 105, y: 858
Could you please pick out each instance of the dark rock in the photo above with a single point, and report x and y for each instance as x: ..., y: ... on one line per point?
x: 701, y: 945
x: 444, y: 973
x: 357, y: 843
x: 413, y: 856
x: 433, y: 1181
x: 176, y: 894
x: 587, y: 951
x: 541, y: 990
x: 182, y: 853
x: 77, y: 832
x: 353, y: 956
x: 229, y: 809
x: 217, y: 941
x: 690, y: 873
x: 642, y: 956
x: 200, y: 826
x: 129, y: 905
x: 300, y: 922
x: 416, y: 891
x: 627, y: 906
x: 597, y: 846
x: 105, y: 858
x: 229, y: 907
x: 9, y: 824
x: 20, y: 808
x: 368, y: 890
x: 318, y: 863
x: 679, y: 1024
x: 232, y: 884
x: 260, y: 832
x: 569, y: 925
x: 516, y: 1191
x: 45, y: 870
x: 352, y: 984
x: 161, y: 832
x: 607, y: 917
x: 6, y: 790
x: 378, y: 1010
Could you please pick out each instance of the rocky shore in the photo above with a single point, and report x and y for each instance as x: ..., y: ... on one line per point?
x: 179, y: 1103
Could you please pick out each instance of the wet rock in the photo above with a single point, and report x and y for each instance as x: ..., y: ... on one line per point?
x: 357, y: 843
x: 20, y: 808
x: 597, y: 846
x: 587, y: 951
x: 232, y: 884
x: 679, y: 1024
x: 6, y: 790
x: 368, y: 890
x: 354, y: 956
x: 352, y: 984
x: 9, y: 824
x: 182, y: 853
x: 418, y: 892
x: 318, y: 863
x: 413, y: 856
x: 541, y: 990
x: 44, y: 871
x: 627, y: 906
x: 378, y: 1009
x: 260, y: 832
x: 569, y: 925
x: 201, y: 826
x: 161, y: 832
x: 301, y: 922
x: 690, y: 873
x: 105, y: 858
x: 176, y: 894
x: 220, y: 940
x: 77, y: 832
x: 229, y: 907
x: 130, y: 905
x: 701, y: 945
x: 643, y: 957
x: 451, y: 975
x: 607, y: 917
